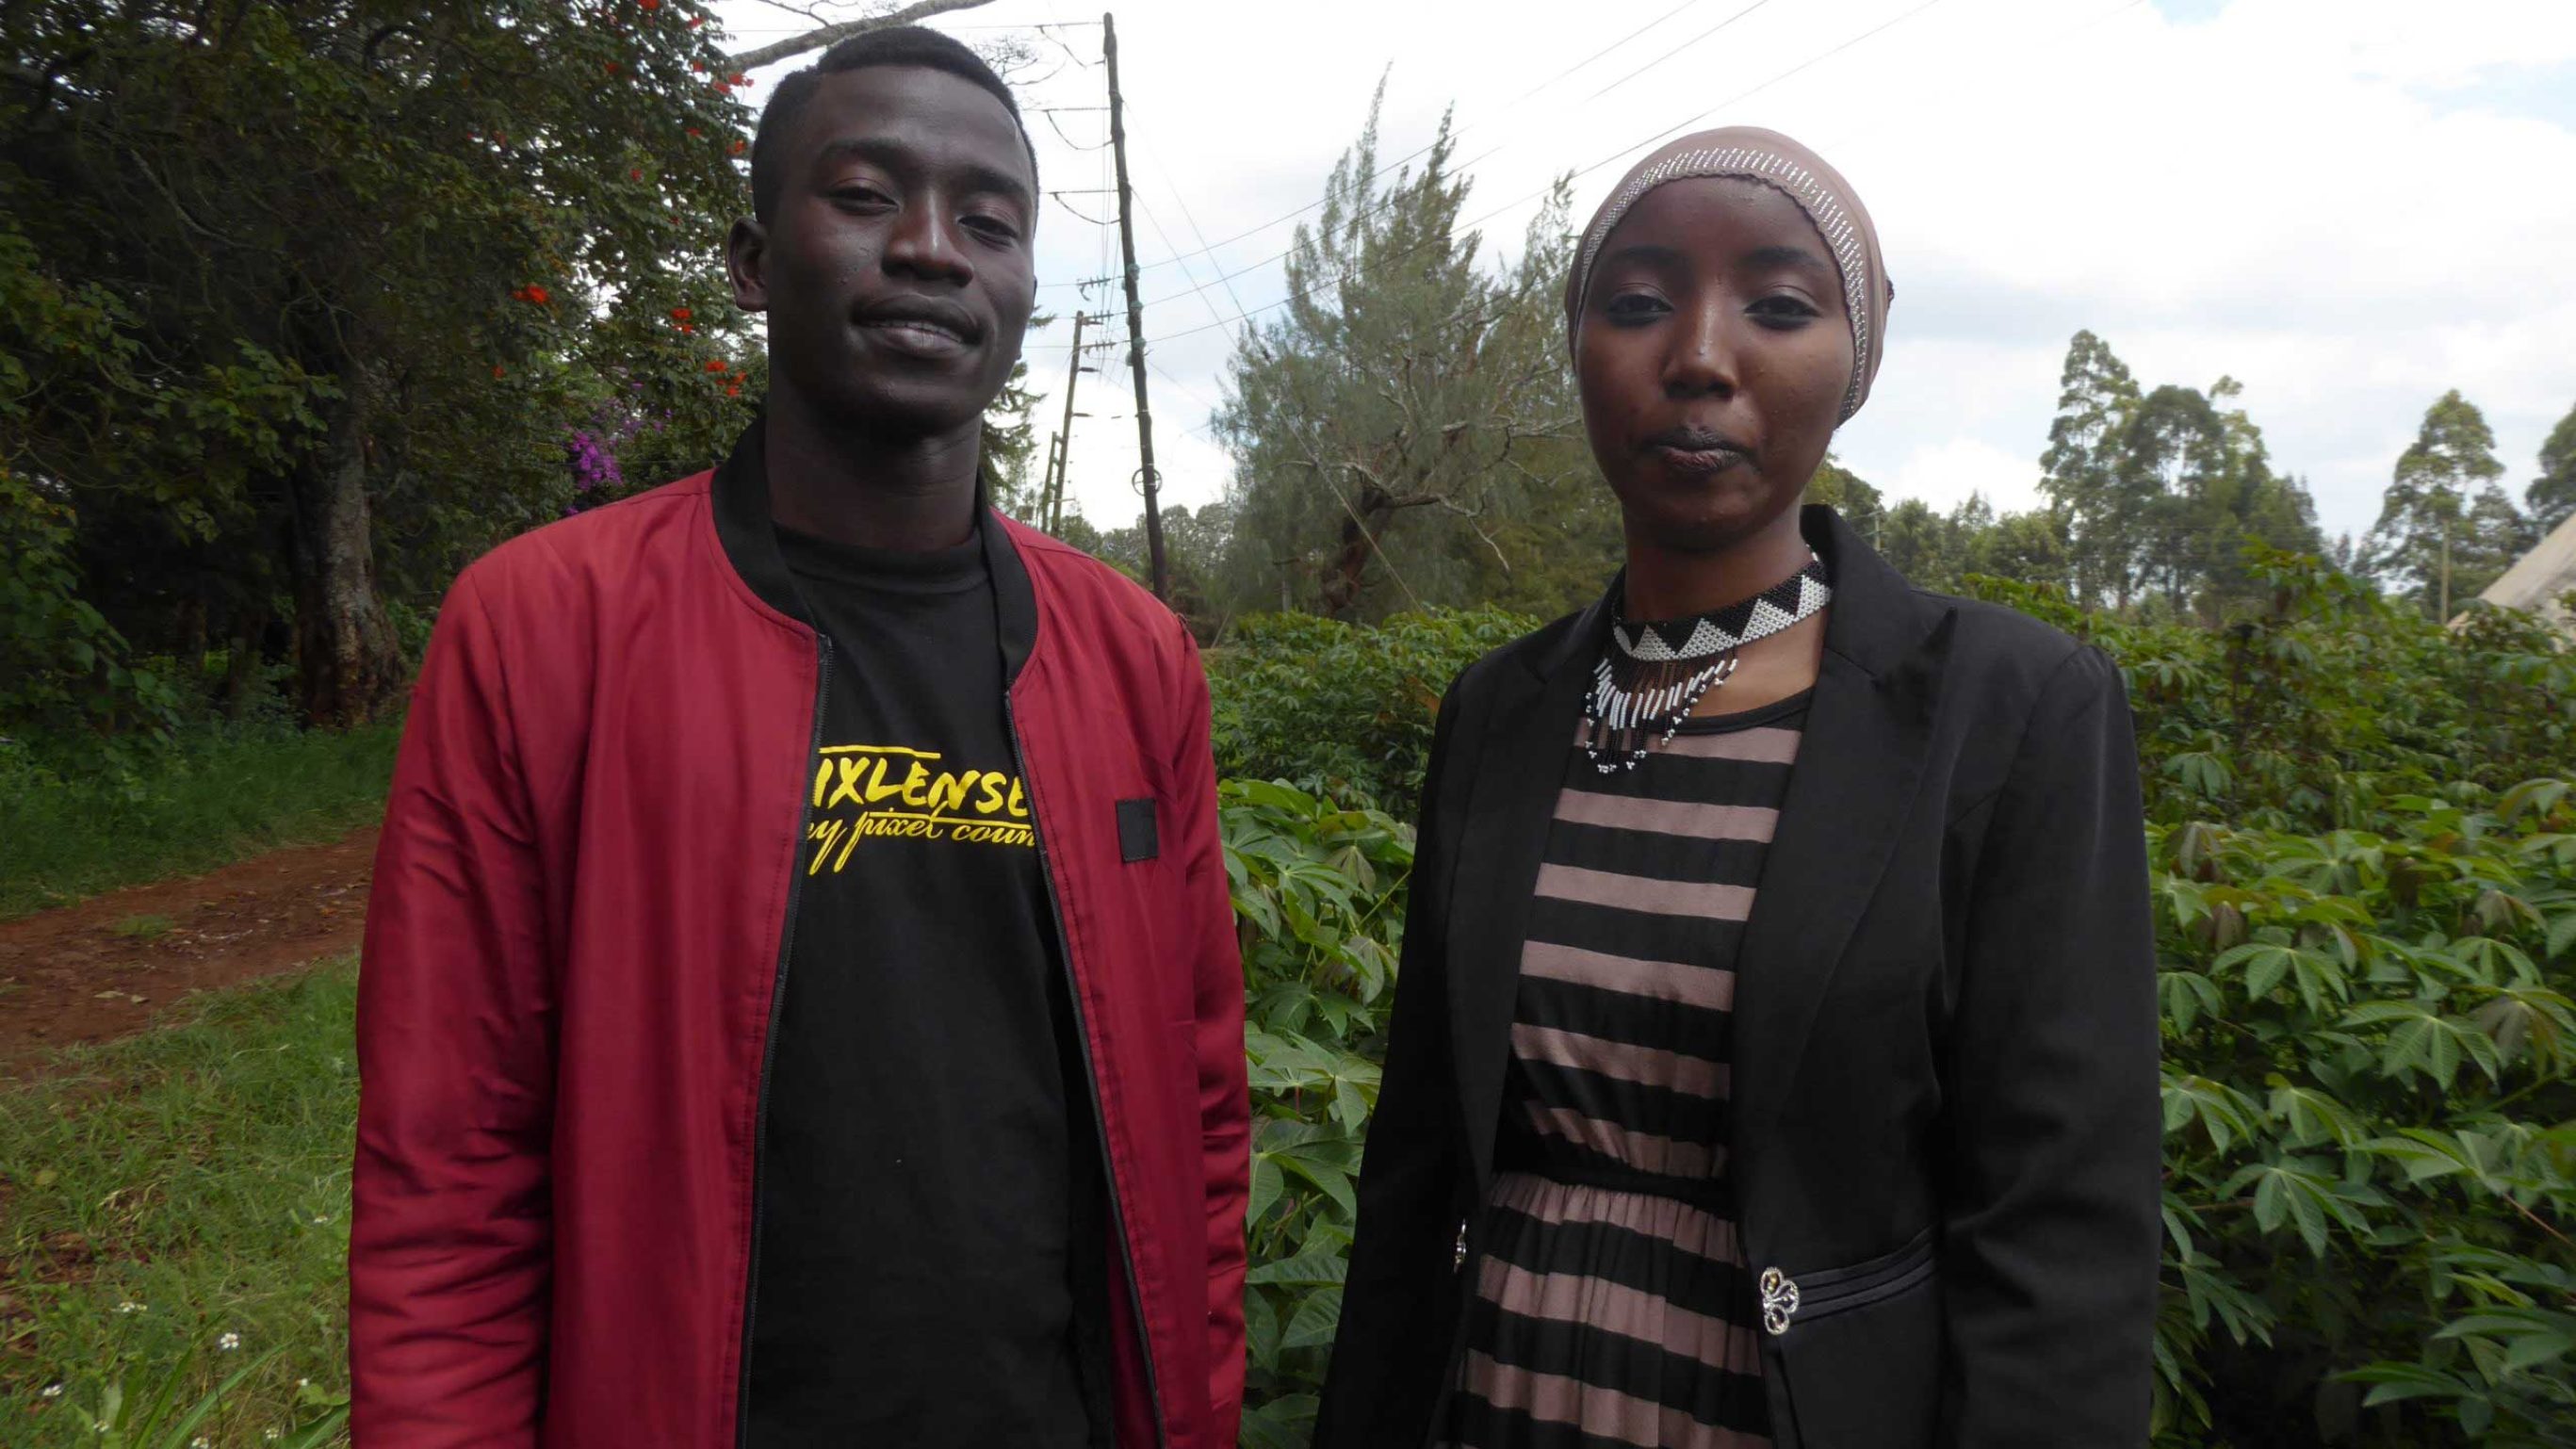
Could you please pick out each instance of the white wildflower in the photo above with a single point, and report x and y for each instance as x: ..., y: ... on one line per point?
x: 272, y: 1435
x: 228, y: 1342
x: 130, y: 1306
x: 50, y: 1391
x: 201, y: 1442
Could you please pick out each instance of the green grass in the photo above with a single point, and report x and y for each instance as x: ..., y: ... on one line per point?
x: 207, y: 799
x: 199, y: 1172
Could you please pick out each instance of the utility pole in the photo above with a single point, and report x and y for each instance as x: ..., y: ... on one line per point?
x: 1135, y: 315
x: 1051, y: 512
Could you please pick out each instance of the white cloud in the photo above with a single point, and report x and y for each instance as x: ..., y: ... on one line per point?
x: 1945, y: 473
x: 2348, y: 207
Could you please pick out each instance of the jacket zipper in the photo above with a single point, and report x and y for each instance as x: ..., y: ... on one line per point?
x: 1091, y: 1080
x: 769, y: 1042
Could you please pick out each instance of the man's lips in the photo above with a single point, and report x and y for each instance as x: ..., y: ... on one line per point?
x: 924, y: 323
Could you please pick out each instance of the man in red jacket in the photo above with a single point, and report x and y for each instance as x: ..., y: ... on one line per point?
x: 800, y: 1002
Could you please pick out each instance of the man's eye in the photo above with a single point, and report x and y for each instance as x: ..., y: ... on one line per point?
x: 992, y: 227
x: 856, y: 195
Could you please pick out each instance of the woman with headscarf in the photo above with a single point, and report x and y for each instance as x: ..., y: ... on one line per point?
x: 1774, y: 1055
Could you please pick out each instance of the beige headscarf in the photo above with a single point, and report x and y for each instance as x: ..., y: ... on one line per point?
x: 1798, y: 173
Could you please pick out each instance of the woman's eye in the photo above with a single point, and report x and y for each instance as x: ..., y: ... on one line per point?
x: 1635, y: 306
x: 1783, y: 312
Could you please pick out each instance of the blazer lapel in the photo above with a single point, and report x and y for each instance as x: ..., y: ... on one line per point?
x: 1519, y: 762
x: 1859, y: 769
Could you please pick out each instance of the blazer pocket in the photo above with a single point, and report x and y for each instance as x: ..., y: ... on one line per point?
x: 1857, y: 1349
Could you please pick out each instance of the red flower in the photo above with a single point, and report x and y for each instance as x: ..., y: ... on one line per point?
x: 694, y: 131
x: 734, y: 391
x: 696, y: 20
x: 736, y: 148
x: 649, y: 6
x: 608, y: 66
x: 634, y: 175
x: 737, y: 78
x: 538, y: 295
x: 698, y: 65
x: 716, y: 364
x: 498, y: 370
x: 681, y: 314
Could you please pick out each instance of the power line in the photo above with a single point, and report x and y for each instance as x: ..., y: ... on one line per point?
x: 1676, y: 50
x: 1668, y: 131
x: 1499, y: 147
x: 1207, y: 247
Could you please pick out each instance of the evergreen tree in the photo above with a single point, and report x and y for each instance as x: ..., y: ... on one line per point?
x: 2552, y: 496
x: 1407, y: 432
x: 2433, y: 540
x: 2080, y: 473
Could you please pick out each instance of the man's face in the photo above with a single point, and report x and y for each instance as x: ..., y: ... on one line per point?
x: 895, y: 265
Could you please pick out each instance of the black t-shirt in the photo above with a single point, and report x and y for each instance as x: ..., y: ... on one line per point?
x: 929, y: 1238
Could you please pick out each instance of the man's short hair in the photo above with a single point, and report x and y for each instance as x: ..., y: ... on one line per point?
x: 895, y: 45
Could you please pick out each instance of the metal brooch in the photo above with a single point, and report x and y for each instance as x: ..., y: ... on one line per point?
x: 1779, y: 1301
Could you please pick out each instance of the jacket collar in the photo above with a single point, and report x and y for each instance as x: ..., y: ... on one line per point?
x: 1861, y: 763
x: 740, y: 491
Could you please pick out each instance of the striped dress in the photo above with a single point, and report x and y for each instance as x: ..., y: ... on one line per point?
x: 1613, y: 1305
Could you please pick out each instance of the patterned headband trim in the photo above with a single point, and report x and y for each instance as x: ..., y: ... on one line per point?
x: 1842, y: 235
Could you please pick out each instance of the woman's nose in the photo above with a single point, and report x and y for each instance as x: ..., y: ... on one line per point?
x: 1705, y: 351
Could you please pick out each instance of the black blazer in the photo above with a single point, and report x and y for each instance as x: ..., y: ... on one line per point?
x: 1945, y: 1122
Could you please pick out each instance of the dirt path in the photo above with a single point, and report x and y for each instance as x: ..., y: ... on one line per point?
x: 106, y: 967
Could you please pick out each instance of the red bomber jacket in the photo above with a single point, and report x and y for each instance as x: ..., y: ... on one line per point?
x: 574, y: 949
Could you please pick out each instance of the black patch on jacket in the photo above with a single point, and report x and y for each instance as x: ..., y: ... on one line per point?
x: 1136, y: 838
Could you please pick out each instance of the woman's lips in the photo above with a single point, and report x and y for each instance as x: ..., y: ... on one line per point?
x: 1698, y: 460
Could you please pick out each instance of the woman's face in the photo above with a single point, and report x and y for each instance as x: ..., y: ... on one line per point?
x: 1713, y: 358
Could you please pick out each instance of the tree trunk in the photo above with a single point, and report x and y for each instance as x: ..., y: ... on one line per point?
x: 347, y: 662
x: 1342, y: 576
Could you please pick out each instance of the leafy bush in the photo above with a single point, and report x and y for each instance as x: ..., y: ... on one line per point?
x: 1319, y: 892
x: 2363, y: 838
x: 1344, y: 710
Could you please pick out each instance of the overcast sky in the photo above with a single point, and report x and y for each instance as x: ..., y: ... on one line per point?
x: 2347, y: 205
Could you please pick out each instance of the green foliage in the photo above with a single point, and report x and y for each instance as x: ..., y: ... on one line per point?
x: 2445, y: 529
x: 75, y: 821
x: 302, y: 305
x: 2552, y: 496
x: 2363, y: 833
x: 1319, y: 893
x: 2152, y: 495
x: 170, y: 1190
x: 1345, y: 710
x: 1405, y: 433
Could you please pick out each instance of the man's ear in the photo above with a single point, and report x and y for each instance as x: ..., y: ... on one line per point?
x: 747, y: 264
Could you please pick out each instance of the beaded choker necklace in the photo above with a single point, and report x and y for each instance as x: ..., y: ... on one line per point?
x: 1653, y: 674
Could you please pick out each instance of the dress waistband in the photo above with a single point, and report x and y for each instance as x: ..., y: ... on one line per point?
x: 1710, y: 1195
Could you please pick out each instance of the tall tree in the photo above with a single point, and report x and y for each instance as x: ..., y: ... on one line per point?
x: 2552, y: 496
x: 2080, y: 472
x: 1407, y: 408
x: 2433, y: 539
x: 371, y: 262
